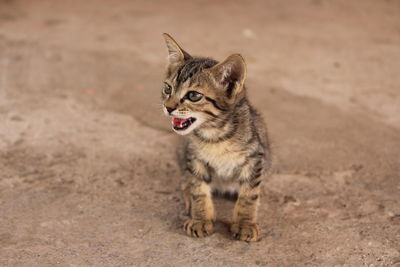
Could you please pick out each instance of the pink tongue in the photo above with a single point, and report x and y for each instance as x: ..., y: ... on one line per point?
x: 178, y: 122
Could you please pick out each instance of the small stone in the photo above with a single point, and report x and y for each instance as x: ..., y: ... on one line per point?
x: 248, y: 33
x: 287, y: 199
x: 16, y: 118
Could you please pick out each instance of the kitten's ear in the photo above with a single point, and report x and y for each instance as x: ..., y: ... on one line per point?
x: 175, y: 53
x: 230, y: 74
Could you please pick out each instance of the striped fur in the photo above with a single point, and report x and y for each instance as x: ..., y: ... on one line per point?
x: 227, y: 151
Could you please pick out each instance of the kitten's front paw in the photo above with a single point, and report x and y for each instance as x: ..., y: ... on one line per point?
x: 245, y: 231
x: 198, y: 228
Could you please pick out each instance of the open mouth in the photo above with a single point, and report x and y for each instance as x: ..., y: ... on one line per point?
x: 181, y: 124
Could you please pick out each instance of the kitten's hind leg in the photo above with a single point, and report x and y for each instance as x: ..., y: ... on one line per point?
x: 186, y: 199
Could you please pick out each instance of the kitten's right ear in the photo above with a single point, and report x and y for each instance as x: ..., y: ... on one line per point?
x: 229, y: 75
x: 175, y: 53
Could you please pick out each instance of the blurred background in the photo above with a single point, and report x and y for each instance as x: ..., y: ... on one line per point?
x: 88, y: 175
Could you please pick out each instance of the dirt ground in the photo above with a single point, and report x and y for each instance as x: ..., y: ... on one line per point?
x: 88, y: 174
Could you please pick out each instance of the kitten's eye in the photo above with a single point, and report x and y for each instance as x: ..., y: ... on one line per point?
x: 194, y: 96
x: 167, y: 89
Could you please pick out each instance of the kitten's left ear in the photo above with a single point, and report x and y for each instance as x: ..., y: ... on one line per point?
x: 230, y: 75
x: 175, y: 53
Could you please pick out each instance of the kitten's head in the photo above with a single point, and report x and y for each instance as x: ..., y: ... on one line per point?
x: 197, y: 91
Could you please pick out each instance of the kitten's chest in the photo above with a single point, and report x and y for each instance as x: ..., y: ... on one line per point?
x: 223, y: 157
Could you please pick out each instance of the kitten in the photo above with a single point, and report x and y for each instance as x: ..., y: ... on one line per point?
x: 225, y: 148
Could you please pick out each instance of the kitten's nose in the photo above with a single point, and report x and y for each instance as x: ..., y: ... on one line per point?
x: 170, y: 110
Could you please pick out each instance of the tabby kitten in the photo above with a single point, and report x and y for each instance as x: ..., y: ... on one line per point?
x: 225, y: 148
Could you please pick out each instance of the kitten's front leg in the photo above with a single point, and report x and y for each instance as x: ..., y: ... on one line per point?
x: 200, y: 203
x: 244, y: 226
x: 201, y: 210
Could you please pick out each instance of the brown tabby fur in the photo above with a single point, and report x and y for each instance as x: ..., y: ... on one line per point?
x: 226, y: 150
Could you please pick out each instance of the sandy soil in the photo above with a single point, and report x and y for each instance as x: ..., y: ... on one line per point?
x: 88, y: 175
